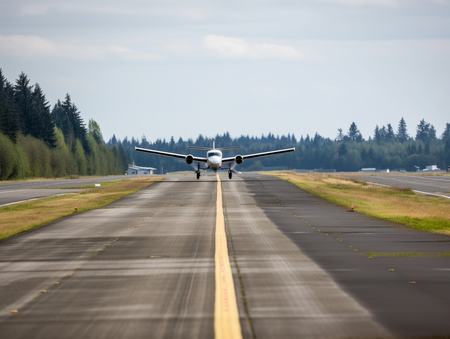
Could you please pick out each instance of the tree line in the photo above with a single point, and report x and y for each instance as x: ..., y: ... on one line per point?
x: 349, y: 151
x: 39, y: 141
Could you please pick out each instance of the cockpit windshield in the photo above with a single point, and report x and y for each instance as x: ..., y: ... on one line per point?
x: 213, y: 154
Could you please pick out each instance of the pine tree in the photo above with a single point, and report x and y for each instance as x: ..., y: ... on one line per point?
x: 423, y: 131
x: 24, y: 103
x: 446, y: 134
x: 390, y: 135
x: 44, y: 127
x: 377, y: 135
x: 432, y: 135
x: 67, y: 117
x: 402, y: 131
x: 383, y: 133
x: 95, y: 131
x: 342, y: 149
x: 353, y: 133
x: 8, y: 112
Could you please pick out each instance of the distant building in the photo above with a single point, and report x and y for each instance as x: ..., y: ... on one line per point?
x: 432, y: 168
x: 132, y: 169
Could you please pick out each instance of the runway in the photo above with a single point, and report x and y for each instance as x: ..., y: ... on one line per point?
x: 144, y: 267
x: 439, y: 185
x: 14, y: 192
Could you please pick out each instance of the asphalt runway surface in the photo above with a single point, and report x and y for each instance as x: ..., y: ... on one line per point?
x: 143, y: 267
x: 13, y: 192
x: 423, y: 183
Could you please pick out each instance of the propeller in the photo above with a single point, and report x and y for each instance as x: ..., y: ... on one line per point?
x: 231, y: 168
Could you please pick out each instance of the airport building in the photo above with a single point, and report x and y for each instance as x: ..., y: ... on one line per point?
x: 132, y: 169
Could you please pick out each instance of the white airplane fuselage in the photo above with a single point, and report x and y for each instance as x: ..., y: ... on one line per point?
x: 214, y: 159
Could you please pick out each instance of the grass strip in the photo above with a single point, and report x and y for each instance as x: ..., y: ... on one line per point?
x: 399, y: 205
x: 24, y: 216
x: 102, y: 184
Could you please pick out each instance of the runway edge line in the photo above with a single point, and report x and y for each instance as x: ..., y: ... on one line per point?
x: 226, y: 315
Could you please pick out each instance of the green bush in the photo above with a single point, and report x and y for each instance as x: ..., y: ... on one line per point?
x: 8, y: 157
x: 38, y: 155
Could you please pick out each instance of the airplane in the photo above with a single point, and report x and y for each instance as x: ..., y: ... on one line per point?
x: 214, y: 159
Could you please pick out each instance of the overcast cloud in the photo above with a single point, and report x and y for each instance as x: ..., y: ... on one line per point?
x: 182, y: 68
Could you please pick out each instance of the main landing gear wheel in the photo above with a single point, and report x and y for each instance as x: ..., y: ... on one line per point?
x: 230, y: 175
x: 198, y: 176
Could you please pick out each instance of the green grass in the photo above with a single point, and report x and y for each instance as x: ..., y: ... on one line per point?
x: 102, y: 184
x: 398, y: 205
x: 27, y: 215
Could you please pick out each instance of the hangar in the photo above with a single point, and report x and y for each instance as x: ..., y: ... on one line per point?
x: 133, y: 169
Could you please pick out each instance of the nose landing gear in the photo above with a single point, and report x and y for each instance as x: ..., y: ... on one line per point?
x: 230, y: 174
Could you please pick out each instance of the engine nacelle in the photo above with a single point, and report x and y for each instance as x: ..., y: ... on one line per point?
x: 189, y: 159
x: 238, y: 159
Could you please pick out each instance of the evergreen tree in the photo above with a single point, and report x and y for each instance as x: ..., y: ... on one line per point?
x: 113, y: 140
x: 390, y: 135
x: 402, y: 131
x: 8, y: 112
x: 25, y: 105
x: 377, y: 135
x: 354, y: 134
x: 67, y: 117
x: 432, y: 135
x: 446, y: 134
x: 427, y: 149
x: 447, y: 153
x: 423, y: 131
x: 43, y: 124
x: 95, y: 131
x: 342, y: 149
x: 383, y: 133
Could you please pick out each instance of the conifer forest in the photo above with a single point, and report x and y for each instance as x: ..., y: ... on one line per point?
x: 38, y: 140
x: 389, y: 148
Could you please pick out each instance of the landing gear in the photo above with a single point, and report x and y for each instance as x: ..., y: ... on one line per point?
x: 198, y: 175
x: 230, y: 175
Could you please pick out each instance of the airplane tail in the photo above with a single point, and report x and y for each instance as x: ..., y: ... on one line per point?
x: 214, y: 147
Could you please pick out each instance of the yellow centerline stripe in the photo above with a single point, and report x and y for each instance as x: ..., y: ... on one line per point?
x: 226, y: 315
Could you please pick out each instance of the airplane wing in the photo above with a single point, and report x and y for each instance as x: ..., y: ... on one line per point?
x: 168, y: 154
x: 258, y: 155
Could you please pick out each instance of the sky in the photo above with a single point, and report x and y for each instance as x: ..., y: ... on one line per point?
x: 249, y: 67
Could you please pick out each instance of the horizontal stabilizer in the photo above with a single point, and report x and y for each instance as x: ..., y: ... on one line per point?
x: 202, y: 148
x: 225, y: 148
x: 209, y: 148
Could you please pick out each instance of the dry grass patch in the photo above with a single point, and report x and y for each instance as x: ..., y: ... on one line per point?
x: 400, y: 205
x: 427, y: 174
x: 54, y: 179
x: 27, y: 215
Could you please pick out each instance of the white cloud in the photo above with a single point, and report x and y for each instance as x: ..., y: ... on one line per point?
x: 234, y: 48
x: 31, y: 46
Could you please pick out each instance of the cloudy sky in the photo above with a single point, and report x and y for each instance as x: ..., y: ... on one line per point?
x: 182, y: 68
